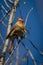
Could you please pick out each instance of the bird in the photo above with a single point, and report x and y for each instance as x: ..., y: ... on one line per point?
x: 17, y: 31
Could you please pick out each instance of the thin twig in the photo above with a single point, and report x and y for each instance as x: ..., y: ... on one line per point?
x: 29, y: 52
x: 5, y: 18
x: 3, y: 8
x: 7, y: 13
x: 9, y: 57
x: 8, y: 29
x: 12, y: 53
x: 41, y: 53
x: 11, y: 1
x: 1, y: 47
x: 7, y: 4
x: 28, y: 15
x: 2, y: 38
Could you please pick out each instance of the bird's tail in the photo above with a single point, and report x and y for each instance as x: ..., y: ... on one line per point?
x: 11, y: 47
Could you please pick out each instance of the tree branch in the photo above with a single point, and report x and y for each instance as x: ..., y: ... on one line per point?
x: 41, y: 53
x: 7, y: 4
x: 28, y: 15
x: 8, y: 30
x: 29, y: 52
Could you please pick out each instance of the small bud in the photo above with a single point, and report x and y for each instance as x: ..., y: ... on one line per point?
x: 24, y: 2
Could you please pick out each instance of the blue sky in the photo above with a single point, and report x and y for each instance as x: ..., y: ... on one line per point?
x: 35, y: 21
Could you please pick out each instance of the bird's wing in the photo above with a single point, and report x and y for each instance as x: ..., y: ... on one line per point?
x: 10, y: 32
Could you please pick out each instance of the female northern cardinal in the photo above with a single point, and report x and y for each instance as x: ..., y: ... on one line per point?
x: 17, y: 31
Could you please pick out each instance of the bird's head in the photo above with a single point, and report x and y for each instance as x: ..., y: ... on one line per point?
x: 20, y: 20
